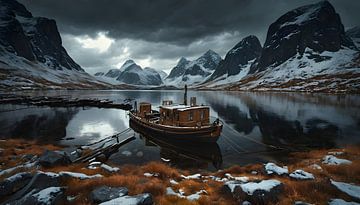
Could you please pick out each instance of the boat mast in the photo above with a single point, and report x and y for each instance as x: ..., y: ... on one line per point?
x: 185, y: 95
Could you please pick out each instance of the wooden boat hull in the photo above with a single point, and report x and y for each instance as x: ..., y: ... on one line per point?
x: 202, y: 134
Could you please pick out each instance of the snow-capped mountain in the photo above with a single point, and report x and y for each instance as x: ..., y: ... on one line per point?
x: 193, y: 72
x: 131, y: 73
x: 32, y: 55
x: 354, y: 33
x: 237, y: 61
x: 306, y: 49
x: 162, y: 74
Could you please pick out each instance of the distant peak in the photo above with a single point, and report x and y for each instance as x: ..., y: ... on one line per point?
x: 183, y: 60
x: 210, y: 51
x: 127, y: 63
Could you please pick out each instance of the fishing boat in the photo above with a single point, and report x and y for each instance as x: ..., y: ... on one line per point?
x: 177, y: 121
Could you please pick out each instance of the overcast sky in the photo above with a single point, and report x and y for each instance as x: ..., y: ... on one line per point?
x: 100, y: 35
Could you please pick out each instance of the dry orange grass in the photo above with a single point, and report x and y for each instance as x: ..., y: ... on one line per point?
x: 317, y: 191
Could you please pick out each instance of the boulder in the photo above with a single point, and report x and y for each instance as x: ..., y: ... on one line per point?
x: 105, y: 193
x: 141, y: 199
x: 54, y: 158
x: 14, y: 183
x: 255, y: 192
x: 40, y: 181
x: 47, y: 196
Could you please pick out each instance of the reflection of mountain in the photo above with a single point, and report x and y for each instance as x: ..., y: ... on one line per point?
x: 278, y: 131
x: 286, y: 120
x: 32, y: 123
x: 184, y: 154
x: 233, y: 115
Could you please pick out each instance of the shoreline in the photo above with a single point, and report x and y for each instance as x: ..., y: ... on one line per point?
x: 169, y: 185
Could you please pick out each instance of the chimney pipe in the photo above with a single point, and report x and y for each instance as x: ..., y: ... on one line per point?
x: 185, y: 95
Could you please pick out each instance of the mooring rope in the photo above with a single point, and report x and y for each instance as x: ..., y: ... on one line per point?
x: 253, y: 140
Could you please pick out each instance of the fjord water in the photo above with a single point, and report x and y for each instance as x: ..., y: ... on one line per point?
x: 258, y: 127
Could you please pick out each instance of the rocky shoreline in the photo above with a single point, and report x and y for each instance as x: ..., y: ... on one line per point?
x: 33, y: 173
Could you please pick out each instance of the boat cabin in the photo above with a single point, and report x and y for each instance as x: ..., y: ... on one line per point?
x: 184, y: 115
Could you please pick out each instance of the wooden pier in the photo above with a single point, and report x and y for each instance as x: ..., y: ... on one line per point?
x: 62, y: 102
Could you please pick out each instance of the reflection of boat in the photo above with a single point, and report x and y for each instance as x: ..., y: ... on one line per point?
x: 184, y: 122
x: 183, y: 153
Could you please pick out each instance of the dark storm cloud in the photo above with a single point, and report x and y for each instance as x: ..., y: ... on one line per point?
x: 174, y: 21
x: 161, y: 31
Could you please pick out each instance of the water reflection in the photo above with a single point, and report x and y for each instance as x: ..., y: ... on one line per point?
x: 254, y: 124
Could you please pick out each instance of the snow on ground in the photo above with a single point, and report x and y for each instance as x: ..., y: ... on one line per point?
x: 302, y: 67
x: 272, y: 168
x: 79, y: 175
x: 226, y: 79
x: 147, y: 174
x: 315, y: 166
x: 45, y: 196
x: 173, y: 182
x: 265, y: 185
x: 191, y: 197
x: 194, y: 176
x: 241, y: 179
x: 109, y: 168
x: 24, y: 73
x: 127, y: 200
x: 335, y: 153
x: 341, y: 202
x: 301, y: 203
x: 350, y: 189
x: 301, y: 174
x: 332, y: 160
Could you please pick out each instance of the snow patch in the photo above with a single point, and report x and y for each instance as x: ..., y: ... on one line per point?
x: 332, y: 160
x: 79, y: 175
x: 265, y: 185
x: 194, y: 176
x: 341, y: 202
x: 350, y: 189
x: 45, y: 196
x: 272, y: 168
x: 301, y: 174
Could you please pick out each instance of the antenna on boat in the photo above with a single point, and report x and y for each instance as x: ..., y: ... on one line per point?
x: 185, y: 95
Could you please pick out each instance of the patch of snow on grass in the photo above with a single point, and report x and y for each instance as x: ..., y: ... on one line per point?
x: 350, y: 189
x: 79, y: 175
x: 301, y: 174
x: 126, y: 200
x: 109, y: 168
x: 147, y: 174
x: 194, y: 176
x: 241, y: 179
x: 332, y: 160
x: 272, y: 168
x: 173, y: 182
x: 341, y: 202
x: 265, y: 185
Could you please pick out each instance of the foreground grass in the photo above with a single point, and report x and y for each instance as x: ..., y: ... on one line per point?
x: 317, y: 191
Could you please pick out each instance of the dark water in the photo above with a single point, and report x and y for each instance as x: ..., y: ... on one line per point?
x: 259, y: 127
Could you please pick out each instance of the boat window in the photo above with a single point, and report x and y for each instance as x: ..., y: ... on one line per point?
x: 190, y: 116
x: 202, y: 114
